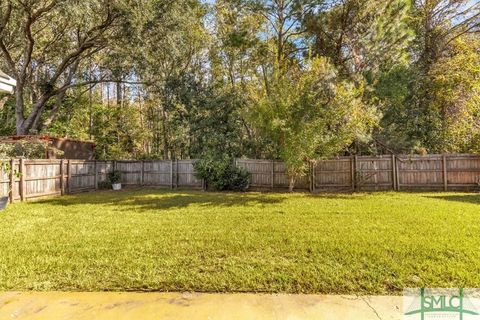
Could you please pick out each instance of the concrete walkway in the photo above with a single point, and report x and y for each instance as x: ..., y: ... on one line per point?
x: 192, y: 306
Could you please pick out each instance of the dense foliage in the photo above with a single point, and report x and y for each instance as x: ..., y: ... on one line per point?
x: 28, y: 149
x: 221, y: 173
x: 287, y: 79
x: 114, y: 176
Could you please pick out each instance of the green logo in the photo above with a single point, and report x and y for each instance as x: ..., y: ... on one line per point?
x: 438, y: 303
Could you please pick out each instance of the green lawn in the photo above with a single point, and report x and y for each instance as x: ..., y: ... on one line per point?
x: 158, y: 240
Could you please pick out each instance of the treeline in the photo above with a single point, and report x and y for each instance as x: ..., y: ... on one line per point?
x: 289, y: 79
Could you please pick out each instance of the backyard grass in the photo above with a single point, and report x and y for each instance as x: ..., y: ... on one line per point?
x: 154, y: 240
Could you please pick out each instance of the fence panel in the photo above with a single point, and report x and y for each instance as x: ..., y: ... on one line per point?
x: 131, y: 172
x: 333, y: 174
x: 260, y: 172
x: 186, y: 174
x: 158, y: 173
x: 103, y: 168
x: 271, y: 174
x: 420, y: 172
x: 4, y: 180
x: 374, y: 173
x: 81, y: 176
x: 280, y: 177
x: 41, y: 178
x: 463, y: 172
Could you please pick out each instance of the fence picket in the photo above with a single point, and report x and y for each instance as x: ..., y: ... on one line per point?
x: 11, y: 183
x: 22, y: 179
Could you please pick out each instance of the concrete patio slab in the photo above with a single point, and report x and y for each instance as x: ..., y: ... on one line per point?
x: 119, y: 306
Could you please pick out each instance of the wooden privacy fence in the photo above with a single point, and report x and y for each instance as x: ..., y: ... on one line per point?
x: 39, y: 178
x: 366, y: 173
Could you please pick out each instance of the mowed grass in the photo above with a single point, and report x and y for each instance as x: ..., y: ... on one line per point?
x: 154, y: 240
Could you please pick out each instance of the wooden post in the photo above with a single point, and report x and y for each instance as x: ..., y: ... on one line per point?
x: 171, y: 174
x: 310, y: 174
x: 95, y: 167
x: 22, y: 179
x: 394, y: 173
x: 62, y: 177
x: 11, y: 182
x: 69, y: 177
x: 445, y: 173
x: 355, y: 160
x: 314, y: 176
x: 176, y: 174
x: 397, y: 173
x: 273, y: 175
x: 142, y: 177
x: 204, y: 182
x: 352, y: 171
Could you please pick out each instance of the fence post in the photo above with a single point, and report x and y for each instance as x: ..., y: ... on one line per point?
x: 11, y: 182
x: 142, y: 178
x: 273, y: 175
x: 22, y: 179
x: 95, y: 167
x: 394, y: 173
x: 445, y: 174
x: 310, y: 176
x: 62, y: 177
x: 176, y: 174
x: 352, y: 171
x: 69, y: 177
x: 171, y: 174
x: 314, y: 176
x: 397, y: 172
x: 355, y: 160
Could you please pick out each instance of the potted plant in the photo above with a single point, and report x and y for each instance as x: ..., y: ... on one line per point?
x: 114, y: 178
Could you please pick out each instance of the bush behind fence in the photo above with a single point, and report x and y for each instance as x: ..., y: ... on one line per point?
x: 39, y: 178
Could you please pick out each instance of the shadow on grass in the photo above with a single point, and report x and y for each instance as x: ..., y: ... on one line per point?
x: 467, y: 198
x: 154, y: 199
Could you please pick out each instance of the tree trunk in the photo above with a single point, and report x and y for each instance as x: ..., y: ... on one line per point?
x: 165, y: 135
x: 291, y: 183
x: 19, y: 118
x: 54, y: 113
x: 32, y: 121
x: 119, y: 93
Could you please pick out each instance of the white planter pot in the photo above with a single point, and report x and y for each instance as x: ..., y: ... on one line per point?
x: 3, y: 203
x: 116, y: 186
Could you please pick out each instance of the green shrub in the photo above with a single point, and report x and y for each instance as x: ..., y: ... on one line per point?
x: 221, y: 174
x: 114, y: 177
